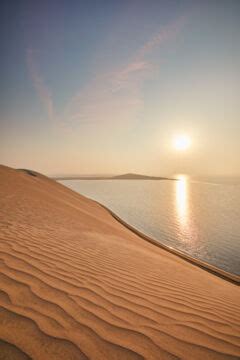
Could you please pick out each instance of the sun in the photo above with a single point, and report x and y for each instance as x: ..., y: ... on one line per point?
x: 181, y: 142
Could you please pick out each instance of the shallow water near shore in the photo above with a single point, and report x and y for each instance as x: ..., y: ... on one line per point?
x: 200, y: 219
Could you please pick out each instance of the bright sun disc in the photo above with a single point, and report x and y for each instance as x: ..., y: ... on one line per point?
x: 181, y: 142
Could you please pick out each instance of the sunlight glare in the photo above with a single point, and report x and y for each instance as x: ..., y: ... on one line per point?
x: 181, y: 142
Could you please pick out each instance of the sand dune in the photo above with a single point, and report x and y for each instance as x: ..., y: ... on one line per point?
x: 76, y: 284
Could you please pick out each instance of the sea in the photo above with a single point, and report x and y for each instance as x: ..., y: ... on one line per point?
x: 200, y: 218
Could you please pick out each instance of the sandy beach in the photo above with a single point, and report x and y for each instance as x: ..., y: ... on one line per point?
x: 75, y: 283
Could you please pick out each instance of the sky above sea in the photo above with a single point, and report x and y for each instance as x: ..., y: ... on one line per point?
x: 104, y: 86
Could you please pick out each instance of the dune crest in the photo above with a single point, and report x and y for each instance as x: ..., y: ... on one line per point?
x: 77, y: 284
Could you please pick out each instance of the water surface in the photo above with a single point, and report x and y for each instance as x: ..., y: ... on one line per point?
x: 198, y: 218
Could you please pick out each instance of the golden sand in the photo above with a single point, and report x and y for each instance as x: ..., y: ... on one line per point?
x: 77, y: 284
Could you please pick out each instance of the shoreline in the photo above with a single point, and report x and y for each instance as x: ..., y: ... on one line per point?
x: 233, y: 278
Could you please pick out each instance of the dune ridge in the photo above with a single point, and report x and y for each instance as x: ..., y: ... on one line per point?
x: 77, y: 284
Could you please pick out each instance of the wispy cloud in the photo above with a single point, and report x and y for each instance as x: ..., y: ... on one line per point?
x: 112, y: 98
x: 116, y: 97
x: 167, y: 33
x: 38, y: 82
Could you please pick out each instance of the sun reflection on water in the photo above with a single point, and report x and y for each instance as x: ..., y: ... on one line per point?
x: 182, y: 205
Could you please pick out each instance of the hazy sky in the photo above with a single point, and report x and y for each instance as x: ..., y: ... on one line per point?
x: 103, y: 86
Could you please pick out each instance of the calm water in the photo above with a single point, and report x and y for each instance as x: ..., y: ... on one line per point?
x: 198, y: 218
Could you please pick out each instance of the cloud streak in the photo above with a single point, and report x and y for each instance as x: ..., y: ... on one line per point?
x: 113, y: 98
x: 166, y: 34
x: 38, y: 82
x: 116, y: 97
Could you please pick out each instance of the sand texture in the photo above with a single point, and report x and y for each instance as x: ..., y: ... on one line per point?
x: 77, y: 284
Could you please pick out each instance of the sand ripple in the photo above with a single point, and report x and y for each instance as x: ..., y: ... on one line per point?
x: 76, y: 284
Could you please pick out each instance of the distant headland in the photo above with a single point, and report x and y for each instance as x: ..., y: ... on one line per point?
x: 128, y: 176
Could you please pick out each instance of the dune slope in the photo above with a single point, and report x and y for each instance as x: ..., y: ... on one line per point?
x: 77, y: 284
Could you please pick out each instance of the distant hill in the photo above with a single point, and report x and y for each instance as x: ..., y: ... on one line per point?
x: 128, y: 176
x: 131, y: 176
